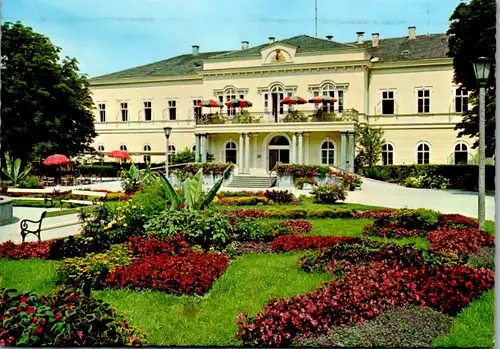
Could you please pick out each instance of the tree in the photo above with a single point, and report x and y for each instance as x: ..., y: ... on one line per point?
x: 472, y: 35
x: 370, y: 141
x: 47, y: 106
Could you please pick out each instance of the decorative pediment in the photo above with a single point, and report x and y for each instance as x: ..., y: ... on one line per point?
x: 278, y: 53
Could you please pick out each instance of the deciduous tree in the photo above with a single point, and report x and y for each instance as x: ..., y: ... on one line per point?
x: 370, y: 141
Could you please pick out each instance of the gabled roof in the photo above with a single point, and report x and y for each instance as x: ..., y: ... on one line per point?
x: 402, y: 49
x: 304, y: 43
x: 187, y: 64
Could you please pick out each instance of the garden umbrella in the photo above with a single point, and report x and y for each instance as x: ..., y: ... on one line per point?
x: 323, y: 100
x: 239, y: 103
x: 209, y: 103
x: 293, y: 99
x: 119, y: 154
x: 56, y: 159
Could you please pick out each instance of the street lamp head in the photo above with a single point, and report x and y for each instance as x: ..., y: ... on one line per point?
x: 168, y: 131
x: 482, y: 68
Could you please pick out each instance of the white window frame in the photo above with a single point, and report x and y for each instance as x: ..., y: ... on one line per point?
x: 101, y: 111
x: 194, y: 104
x: 381, y: 98
x: 416, y: 91
x: 144, y: 107
x: 417, y: 151
x: 335, y: 160
x: 455, y: 89
x: 126, y: 109
x: 123, y: 147
x: 387, y: 151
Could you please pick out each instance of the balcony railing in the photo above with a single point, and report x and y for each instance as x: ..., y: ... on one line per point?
x: 246, y: 117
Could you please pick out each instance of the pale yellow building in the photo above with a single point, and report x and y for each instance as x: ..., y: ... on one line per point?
x: 403, y: 85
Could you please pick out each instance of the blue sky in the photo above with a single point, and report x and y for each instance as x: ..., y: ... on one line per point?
x: 111, y: 35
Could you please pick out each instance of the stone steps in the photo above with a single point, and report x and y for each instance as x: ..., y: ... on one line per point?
x: 261, y: 182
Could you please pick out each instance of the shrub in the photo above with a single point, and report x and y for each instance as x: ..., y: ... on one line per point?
x: 67, y: 318
x: 295, y: 213
x: 244, y: 201
x: 76, y: 247
x: 377, y: 214
x: 361, y: 295
x: 329, y: 194
x: 150, y: 246
x: 279, y: 196
x: 391, y: 231
x: 299, y: 225
x: 236, y: 248
x: 457, y: 221
x: 485, y: 258
x: 230, y: 194
x: 206, y: 229
x: 94, y: 267
x: 411, y: 326
x: 152, y: 198
x: 258, y: 230
x: 468, y: 241
x: 414, y: 219
x: 31, y: 182
x: 330, y: 213
x: 193, y: 273
x: 118, y: 196
x: 350, y: 181
x: 27, y: 250
x: 287, y: 243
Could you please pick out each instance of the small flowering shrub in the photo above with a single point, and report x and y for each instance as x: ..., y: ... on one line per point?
x: 150, y: 246
x: 485, y: 258
x: 410, y: 326
x: 71, y: 247
x: 244, y: 201
x: 329, y: 194
x: 350, y: 181
x: 94, y: 267
x: 67, y: 318
x: 330, y: 213
x: 361, y: 295
x: 457, y: 221
x: 193, y: 273
x: 117, y: 196
x: 27, y: 250
x: 279, y: 197
x: 288, y: 243
x: 412, y: 219
x: 299, y: 225
x: 373, y: 214
x: 296, y: 213
x: 254, y: 230
x: 455, y: 241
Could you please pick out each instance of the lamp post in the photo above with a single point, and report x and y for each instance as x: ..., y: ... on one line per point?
x: 167, y: 131
x: 482, y: 67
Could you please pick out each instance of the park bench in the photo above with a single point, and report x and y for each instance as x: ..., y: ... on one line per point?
x: 25, y: 228
x: 31, y: 191
x: 80, y: 202
x: 95, y: 194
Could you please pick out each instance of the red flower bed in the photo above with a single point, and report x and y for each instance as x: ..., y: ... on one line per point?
x: 299, y: 225
x: 449, y: 240
x: 187, y: 274
x: 27, y: 250
x: 285, y: 243
x: 373, y: 214
x: 245, y: 213
x: 457, y: 221
x: 363, y: 294
x: 150, y: 246
x: 391, y: 231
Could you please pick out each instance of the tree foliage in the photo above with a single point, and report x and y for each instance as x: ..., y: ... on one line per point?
x: 370, y: 141
x: 472, y: 35
x: 47, y: 106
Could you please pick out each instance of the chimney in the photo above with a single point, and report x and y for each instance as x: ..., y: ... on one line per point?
x: 329, y: 37
x: 271, y: 39
x: 196, y: 49
x: 411, y: 33
x: 375, y: 40
x: 361, y: 39
x: 244, y: 45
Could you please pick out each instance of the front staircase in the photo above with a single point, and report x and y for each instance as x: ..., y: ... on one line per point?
x: 254, y: 182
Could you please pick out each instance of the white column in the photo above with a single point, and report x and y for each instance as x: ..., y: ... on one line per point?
x: 247, y: 152
x: 307, y: 150
x: 197, y: 148
x: 294, y: 149
x: 255, y: 150
x: 241, y: 148
x: 301, y: 149
x: 352, y: 150
x: 204, y: 144
x: 343, y: 151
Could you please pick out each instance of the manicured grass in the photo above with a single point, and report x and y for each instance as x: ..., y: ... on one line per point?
x: 247, y: 285
x: 474, y: 326
x: 306, y: 204
x: 32, y: 275
x: 61, y: 213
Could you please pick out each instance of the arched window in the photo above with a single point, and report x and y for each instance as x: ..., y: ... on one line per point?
x: 279, y: 140
x: 194, y: 148
x: 100, y: 148
x: 123, y: 147
x: 231, y: 152
x: 147, y: 158
x: 230, y: 94
x: 171, y: 149
x: 328, y: 90
x: 387, y: 154
x: 461, y: 155
x: 328, y: 153
x: 423, y: 153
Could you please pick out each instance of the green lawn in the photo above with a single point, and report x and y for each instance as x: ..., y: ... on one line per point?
x: 32, y: 275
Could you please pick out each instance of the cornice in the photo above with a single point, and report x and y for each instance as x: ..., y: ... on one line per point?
x: 413, y: 63
x: 144, y: 80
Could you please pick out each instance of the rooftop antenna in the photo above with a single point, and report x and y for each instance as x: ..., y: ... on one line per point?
x: 316, y: 17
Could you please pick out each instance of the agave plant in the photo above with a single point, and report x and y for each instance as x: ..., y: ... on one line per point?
x: 193, y: 192
x: 133, y: 179
x: 13, y: 170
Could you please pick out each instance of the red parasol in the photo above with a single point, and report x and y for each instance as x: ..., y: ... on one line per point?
x: 56, y: 159
x: 323, y: 100
x: 239, y: 103
x: 119, y: 154
x: 293, y: 100
x: 209, y: 103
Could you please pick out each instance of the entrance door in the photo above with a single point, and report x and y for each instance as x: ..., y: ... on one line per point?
x: 277, y: 94
x: 273, y: 158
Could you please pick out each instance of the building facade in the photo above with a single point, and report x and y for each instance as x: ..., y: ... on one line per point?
x: 403, y: 85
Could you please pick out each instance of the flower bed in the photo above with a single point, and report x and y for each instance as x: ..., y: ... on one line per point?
x: 391, y: 231
x: 362, y: 295
x: 297, y: 213
x: 27, y: 250
x: 287, y: 243
x: 299, y: 225
x: 457, y: 221
x: 468, y: 241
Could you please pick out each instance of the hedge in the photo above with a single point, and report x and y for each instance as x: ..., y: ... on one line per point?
x: 461, y: 176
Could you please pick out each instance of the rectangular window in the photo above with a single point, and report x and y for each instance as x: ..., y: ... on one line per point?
x: 423, y: 101
x: 196, y: 108
x: 341, y: 100
x: 124, y: 111
x: 388, y: 102
x: 172, y: 110
x: 148, y: 112
x: 329, y: 108
x: 221, y: 101
x: 461, y: 100
x: 102, y: 112
x: 230, y: 110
